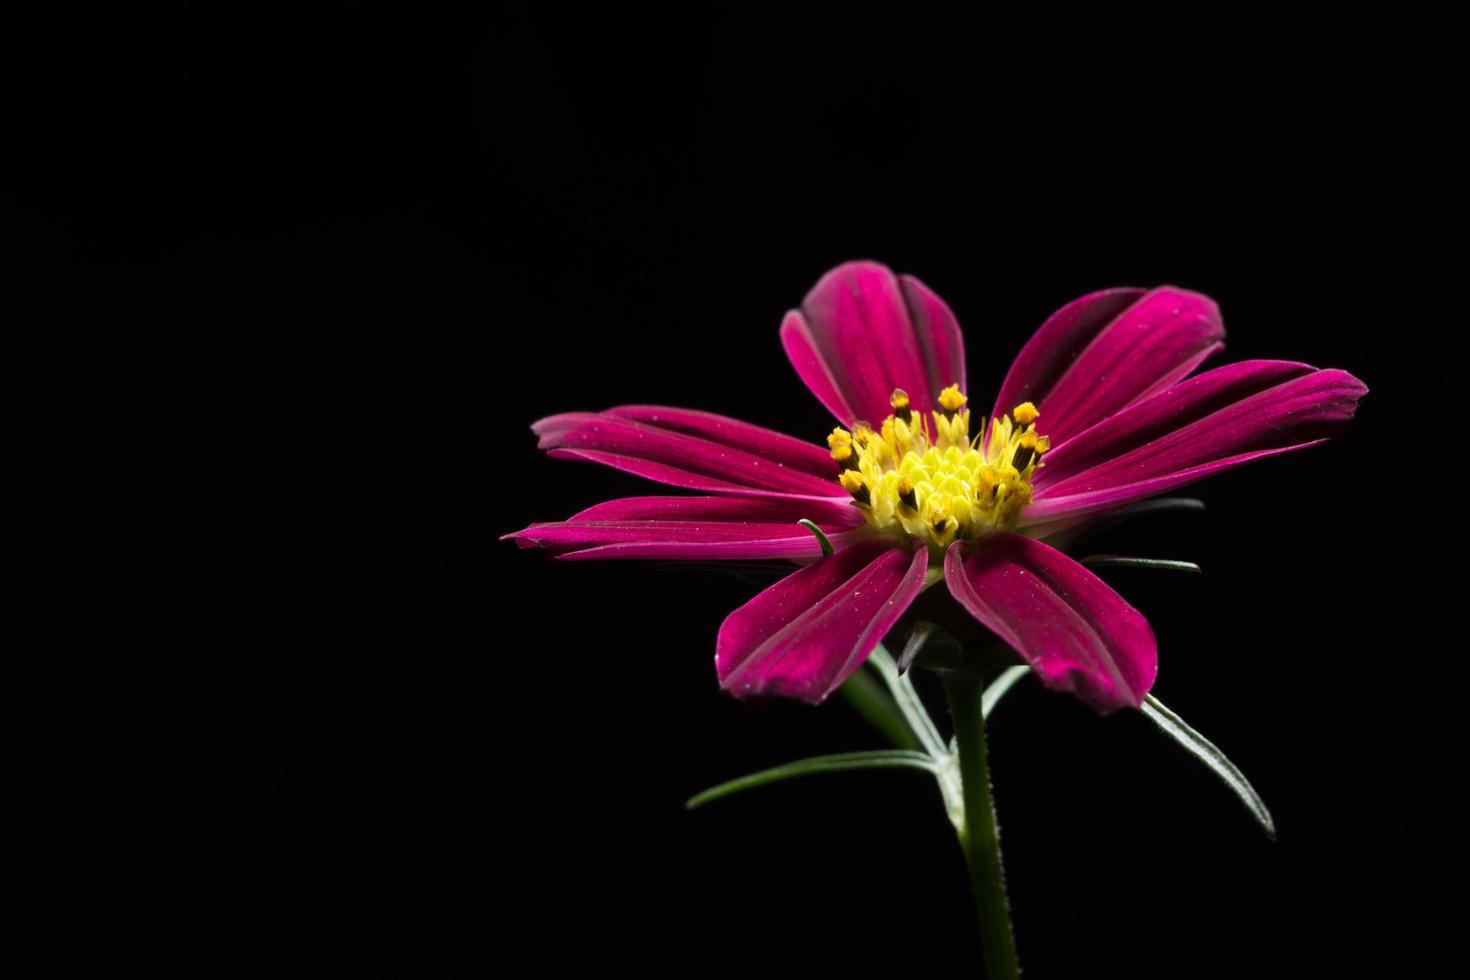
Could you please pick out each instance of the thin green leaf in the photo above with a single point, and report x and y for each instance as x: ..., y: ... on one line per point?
x: 821, y: 535
x: 908, y: 700
x: 846, y: 762
x: 1120, y: 561
x: 1000, y: 686
x: 874, y: 703
x: 1204, y: 750
x: 1162, y: 504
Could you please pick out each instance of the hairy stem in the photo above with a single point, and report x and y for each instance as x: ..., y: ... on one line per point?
x: 979, y: 836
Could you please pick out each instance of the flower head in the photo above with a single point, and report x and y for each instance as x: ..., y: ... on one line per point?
x: 1100, y: 409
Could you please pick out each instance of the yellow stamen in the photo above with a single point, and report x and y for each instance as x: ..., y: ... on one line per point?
x: 906, y: 495
x: 951, y: 399
x: 840, y: 442
x: 922, y: 476
x: 852, y: 481
x: 900, y: 402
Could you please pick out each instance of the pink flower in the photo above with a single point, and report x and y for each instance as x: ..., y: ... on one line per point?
x: 1099, y: 410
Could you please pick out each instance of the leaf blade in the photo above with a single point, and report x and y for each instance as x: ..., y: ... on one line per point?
x: 1123, y: 561
x: 1161, y: 505
x: 1000, y: 686
x: 844, y: 762
x: 1207, y: 752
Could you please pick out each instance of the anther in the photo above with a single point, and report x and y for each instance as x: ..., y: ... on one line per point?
x: 906, y: 494
x: 1026, y: 449
x: 986, y: 484
x: 900, y: 402
x: 854, y: 484
x: 840, y: 441
x: 1024, y: 413
x: 951, y: 400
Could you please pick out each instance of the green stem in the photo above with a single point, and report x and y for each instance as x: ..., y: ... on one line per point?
x: 979, y: 837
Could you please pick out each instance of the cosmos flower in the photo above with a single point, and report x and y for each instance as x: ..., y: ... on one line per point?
x: 1100, y: 409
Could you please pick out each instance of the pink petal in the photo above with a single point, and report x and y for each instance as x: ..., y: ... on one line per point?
x: 553, y: 427
x: 811, y: 367
x: 697, y: 450
x: 696, y: 528
x: 862, y: 332
x: 1098, y: 354
x: 940, y: 340
x: 1056, y: 344
x: 1207, y: 424
x: 805, y: 635
x: 768, y: 444
x: 1185, y: 403
x: 838, y: 513
x: 1077, y: 634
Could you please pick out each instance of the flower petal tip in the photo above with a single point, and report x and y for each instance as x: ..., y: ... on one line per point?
x: 1206, y: 424
x: 805, y: 635
x: 863, y: 331
x: 1107, y: 350
x: 521, y: 538
x: 550, y: 430
x: 1075, y: 632
x: 1103, y: 698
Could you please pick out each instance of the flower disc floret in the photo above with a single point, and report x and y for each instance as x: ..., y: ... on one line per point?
x: 922, y: 476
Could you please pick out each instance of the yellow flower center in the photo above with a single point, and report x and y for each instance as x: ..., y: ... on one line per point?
x: 922, y: 476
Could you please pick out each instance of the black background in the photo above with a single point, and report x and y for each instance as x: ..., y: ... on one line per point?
x: 287, y: 289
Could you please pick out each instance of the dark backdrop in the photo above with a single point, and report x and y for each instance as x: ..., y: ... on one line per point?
x: 287, y: 290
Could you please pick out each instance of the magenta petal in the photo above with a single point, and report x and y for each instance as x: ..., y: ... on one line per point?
x: 1212, y: 422
x: 696, y: 528
x: 805, y: 635
x: 837, y: 513
x: 801, y: 350
x: 1056, y: 344
x: 938, y: 333
x: 726, y: 456
x: 1107, y: 350
x: 1183, y: 404
x: 862, y: 332
x: 550, y: 429
x: 1077, y: 634
x: 766, y: 443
